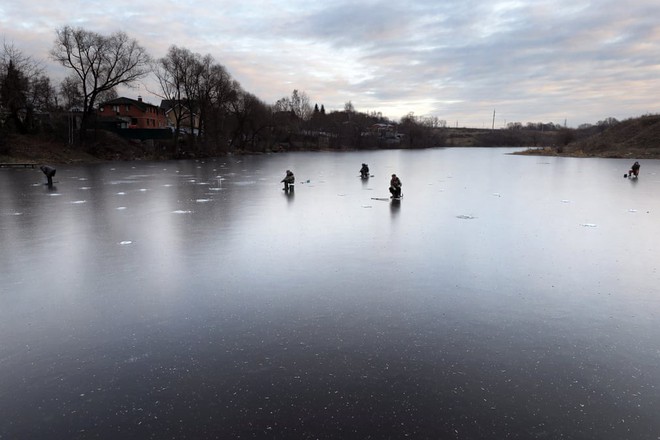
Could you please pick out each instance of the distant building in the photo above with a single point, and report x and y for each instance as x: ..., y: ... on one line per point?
x: 384, y: 131
x: 131, y: 113
x: 182, y: 110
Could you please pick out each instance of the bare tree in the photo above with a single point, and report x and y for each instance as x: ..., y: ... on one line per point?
x: 71, y: 93
x: 28, y: 67
x: 107, y: 95
x: 252, y: 118
x: 100, y: 63
x: 42, y: 96
x: 171, y: 74
x: 219, y: 92
x: 199, y: 91
x: 298, y: 103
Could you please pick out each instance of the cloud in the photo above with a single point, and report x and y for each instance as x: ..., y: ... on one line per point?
x: 458, y: 60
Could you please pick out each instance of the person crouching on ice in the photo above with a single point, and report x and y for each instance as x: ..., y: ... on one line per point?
x: 288, y: 180
x: 395, y: 186
x: 634, y: 170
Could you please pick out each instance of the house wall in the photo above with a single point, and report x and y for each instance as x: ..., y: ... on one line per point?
x: 149, y: 117
x: 185, y: 118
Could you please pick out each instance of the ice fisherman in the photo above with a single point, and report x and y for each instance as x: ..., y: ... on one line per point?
x: 288, y: 180
x: 49, y: 172
x: 364, y: 171
x: 395, y: 186
x: 634, y: 170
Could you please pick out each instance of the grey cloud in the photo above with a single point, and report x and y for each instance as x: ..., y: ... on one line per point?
x: 461, y: 56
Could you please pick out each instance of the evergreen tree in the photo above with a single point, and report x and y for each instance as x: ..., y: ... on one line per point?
x: 13, y: 96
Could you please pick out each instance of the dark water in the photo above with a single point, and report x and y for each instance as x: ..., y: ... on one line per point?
x: 503, y: 297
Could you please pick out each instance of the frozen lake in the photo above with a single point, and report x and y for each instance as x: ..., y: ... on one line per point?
x: 504, y: 297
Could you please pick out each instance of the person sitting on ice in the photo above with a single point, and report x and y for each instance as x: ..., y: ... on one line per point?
x: 364, y: 171
x: 288, y: 180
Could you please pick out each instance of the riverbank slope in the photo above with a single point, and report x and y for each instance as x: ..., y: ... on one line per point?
x: 636, y: 138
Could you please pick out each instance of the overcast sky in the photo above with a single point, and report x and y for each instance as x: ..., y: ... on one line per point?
x: 460, y: 60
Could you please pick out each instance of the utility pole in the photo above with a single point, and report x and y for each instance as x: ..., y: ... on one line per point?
x: 493, y: 127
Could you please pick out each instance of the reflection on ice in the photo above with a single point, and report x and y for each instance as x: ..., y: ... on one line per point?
x: 261, y: 309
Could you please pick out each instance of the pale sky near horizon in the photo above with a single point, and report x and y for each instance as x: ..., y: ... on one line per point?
x: 572, y: 61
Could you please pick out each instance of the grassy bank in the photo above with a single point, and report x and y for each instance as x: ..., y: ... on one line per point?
x: 636, y: 138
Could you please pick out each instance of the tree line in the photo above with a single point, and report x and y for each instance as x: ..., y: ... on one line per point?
x: 213, y: 114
